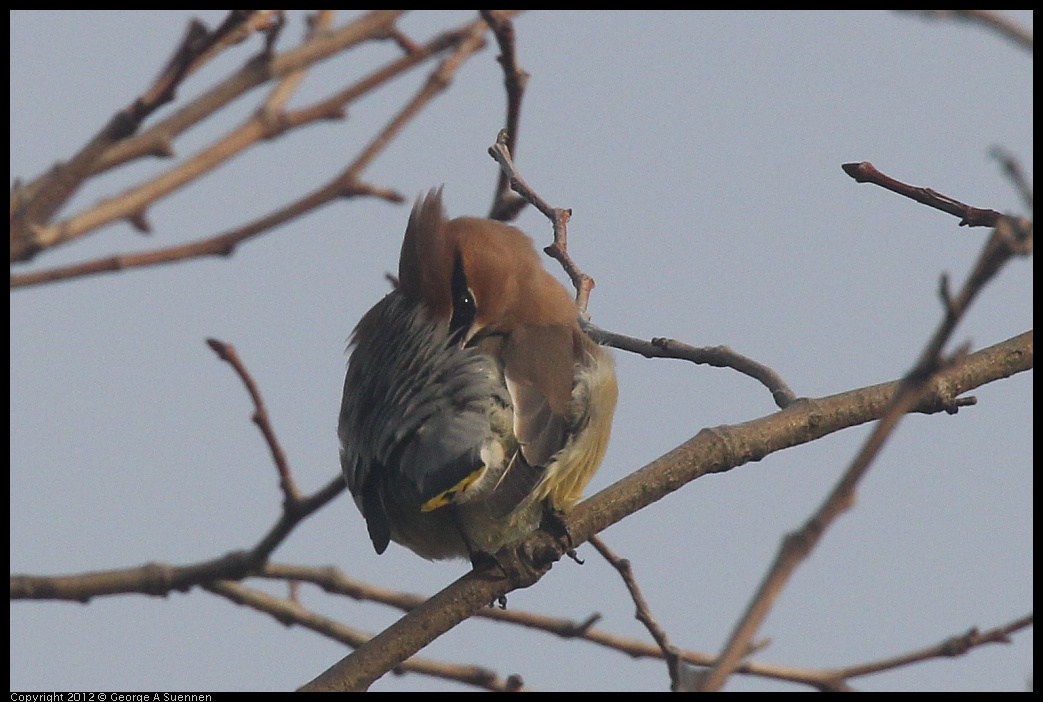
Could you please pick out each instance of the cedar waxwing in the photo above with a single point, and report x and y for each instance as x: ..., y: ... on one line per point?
x: 473, y: 402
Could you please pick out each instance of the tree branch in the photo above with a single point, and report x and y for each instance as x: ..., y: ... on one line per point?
x: 917, y: 384
x: 506, y: 207
x: 559, y: 250
x: 265, y: 124
x: 710, y: 451
x: 33, y: 205
x: 717, y: 356
x: 865, y: 172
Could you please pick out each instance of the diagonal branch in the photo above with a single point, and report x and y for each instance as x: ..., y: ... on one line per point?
x: 1003, y: 244
x: 1012, y: 168
x: 33, y: 205
x: 505, y: 206
x: 289, y: 612
x: 227, y: 353
x: 711, y: 451
x: 332, y: 580
x: 346, y: 184
x: 559, y: 217
x: 951, y: 647
x: 160, y: 578
x: 717, y: 356
x: 157, y: 139
x: 865, y: 172
x: 133, y: 203
x: 643, y: 613
x: 990, y: 19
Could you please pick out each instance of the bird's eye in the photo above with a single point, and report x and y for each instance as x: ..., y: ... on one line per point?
x: 464, y: 306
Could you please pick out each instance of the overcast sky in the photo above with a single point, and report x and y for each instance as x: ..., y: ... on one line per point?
x: 700, y: 154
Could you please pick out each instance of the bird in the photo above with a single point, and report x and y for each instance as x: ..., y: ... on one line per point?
x: 474, y: 404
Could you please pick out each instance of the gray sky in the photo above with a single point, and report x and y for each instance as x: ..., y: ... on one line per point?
x: 700, y: 154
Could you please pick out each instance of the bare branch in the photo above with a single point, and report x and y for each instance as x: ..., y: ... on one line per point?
x: 712, y: 450
x: 160, y: 579
x: 227, y: 353
x: 157, y: 140
x: 197, y: 48
x: 223, y: 244
x: 911, y: 391
x: 332, y: 580
x: 347, y: 184
x: 643, y: 613
x: 865, y: 172
x: 559, y: 250
x: 1012, y: 167
x: 471, y: 40
x: 289, y: 612
x: 34, y: 204
x: 717, y: 356
x: 949, y: 648
x: 505, y: 206
x: 1008, y: 29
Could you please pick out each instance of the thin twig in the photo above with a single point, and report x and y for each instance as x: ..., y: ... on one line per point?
x: 346, y: 184
x: 160, y: 579
x: 796, y: 546
x: 265, y: 124
x: 157, y: 140
x: 1007, y: 28
x: 289, y: 613
x: 949, y: 648
x: 333, y: 580
x: 505, y: 206
x: 227, y: 353
x: 717, y: 356
x: 407, y: 45
x: 471, y: 40
x: 33, y: 205
x: 223, y: 244
x: 716, y: 450
x: 865, y: 172
x: 285, y: 87
x: 559, y: 250
x: 643, y: 613
x: 1012, y: 167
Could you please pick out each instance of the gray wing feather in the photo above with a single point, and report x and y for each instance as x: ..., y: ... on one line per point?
x: 416, y: 409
